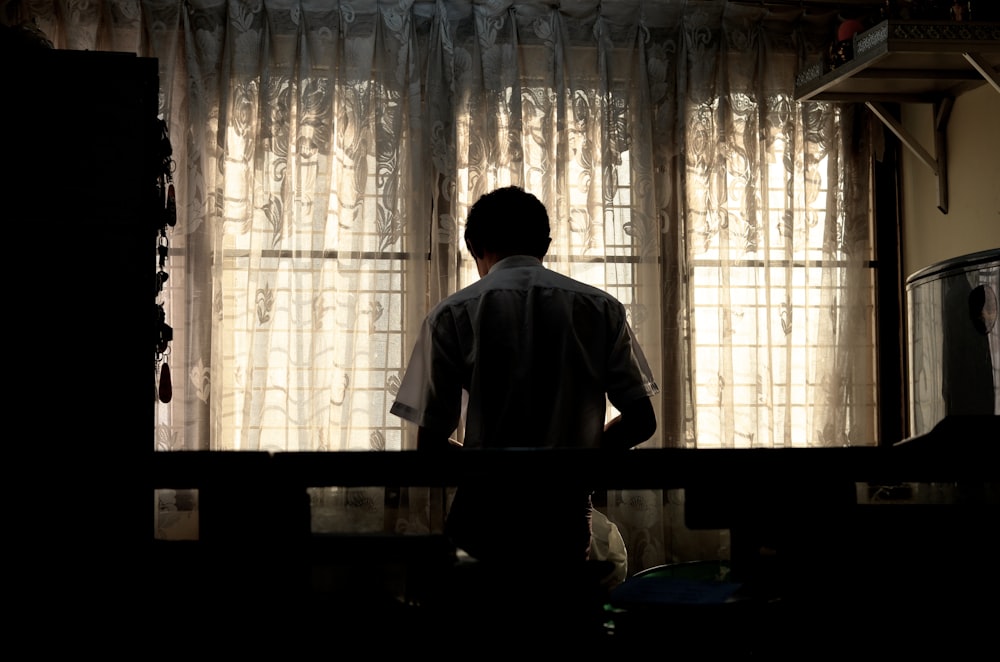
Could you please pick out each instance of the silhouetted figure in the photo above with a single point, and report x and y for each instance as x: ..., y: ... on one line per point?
x: 536, y: 355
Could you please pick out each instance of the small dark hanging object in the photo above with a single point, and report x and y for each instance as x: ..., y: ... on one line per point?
x: 165, y: 216
x: 166, y: 390
x: 170, y: 208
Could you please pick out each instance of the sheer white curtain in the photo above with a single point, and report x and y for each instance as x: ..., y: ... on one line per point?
x: 327, y: 153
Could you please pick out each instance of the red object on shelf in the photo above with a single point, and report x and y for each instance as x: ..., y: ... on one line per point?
x: 849, y: 28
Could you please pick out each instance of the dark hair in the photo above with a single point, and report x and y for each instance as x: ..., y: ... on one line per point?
x: 508, y: 221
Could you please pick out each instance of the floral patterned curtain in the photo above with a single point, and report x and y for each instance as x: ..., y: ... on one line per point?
x: 326, y: 155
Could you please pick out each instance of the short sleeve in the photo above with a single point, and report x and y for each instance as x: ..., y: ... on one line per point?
x: 430, y: 393
x: 629, y: 375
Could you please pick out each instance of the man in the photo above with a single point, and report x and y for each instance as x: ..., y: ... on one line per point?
x: 536, y: 354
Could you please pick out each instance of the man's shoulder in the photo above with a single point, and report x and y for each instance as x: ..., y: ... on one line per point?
x: 448, y: 306
x: 458, y: 298
x: 577, y: 286
x: 570, y: 287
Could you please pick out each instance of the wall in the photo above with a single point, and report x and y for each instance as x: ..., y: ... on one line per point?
x: 929, y: 236
x: 973, y: 156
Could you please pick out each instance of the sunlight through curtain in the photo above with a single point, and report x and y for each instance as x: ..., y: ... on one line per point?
x: 327, y: 153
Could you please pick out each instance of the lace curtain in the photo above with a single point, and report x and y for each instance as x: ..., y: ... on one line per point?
x: 327, y: 153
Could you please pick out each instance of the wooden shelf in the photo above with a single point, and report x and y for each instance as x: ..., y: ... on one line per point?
x: 909, y: 61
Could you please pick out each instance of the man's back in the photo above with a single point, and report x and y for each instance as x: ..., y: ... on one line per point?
x: 539, y: 353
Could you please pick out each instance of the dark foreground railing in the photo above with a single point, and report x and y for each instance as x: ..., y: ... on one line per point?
x: 959, y: 448
x: 806, y: 552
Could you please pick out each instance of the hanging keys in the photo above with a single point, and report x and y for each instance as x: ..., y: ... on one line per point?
x: 165, y: 215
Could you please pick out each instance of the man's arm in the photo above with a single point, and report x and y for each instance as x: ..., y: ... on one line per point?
x: 635, y: 424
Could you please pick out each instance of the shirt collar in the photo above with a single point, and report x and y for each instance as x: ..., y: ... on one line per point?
x: 516, y: 261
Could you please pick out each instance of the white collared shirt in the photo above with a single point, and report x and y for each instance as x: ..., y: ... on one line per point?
x: 536, y: 354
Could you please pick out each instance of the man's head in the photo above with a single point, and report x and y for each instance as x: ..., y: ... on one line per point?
x: 507, y: 221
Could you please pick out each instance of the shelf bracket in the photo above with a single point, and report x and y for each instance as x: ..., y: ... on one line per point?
x: 939, y: 163
x: 984, y: 68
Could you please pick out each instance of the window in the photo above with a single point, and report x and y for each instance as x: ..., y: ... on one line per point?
x: 771, y: 290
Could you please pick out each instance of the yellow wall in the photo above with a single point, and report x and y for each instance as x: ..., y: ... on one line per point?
x: 973, y: 220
